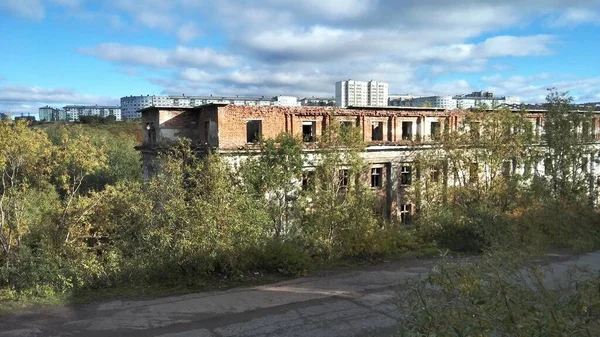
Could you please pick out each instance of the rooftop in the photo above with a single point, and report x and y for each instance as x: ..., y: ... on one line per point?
x: 91, y: 107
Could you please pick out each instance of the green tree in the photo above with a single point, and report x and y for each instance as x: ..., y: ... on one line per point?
x: 341, y: 214
x: 568, y: 136
x: 24, y: 163
x: 76, y: 158
x: 272, y: 175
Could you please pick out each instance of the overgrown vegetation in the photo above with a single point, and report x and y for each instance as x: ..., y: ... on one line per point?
x: 76, y: 215
x: 502, y: 294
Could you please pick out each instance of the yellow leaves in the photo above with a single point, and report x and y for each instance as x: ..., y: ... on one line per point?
x: 76, y: 157
x: 23, y: 152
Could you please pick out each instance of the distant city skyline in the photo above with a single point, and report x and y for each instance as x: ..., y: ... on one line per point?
x: 85, y: 52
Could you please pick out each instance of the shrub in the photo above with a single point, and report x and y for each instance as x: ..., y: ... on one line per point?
x: 459, y: 229
x: 501, y: 295
x: 285, y: 258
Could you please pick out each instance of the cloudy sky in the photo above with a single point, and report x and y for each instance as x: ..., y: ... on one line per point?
x: 61, y: 52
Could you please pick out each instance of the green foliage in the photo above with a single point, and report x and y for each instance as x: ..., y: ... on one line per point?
x: 97, y: 119
x: 340, y: 212
x: 503, y: 295
x: 568, y: 137
x: 284, y: 258
x: 268, y: 174
x: 75, y: 213
x: 46, y: 230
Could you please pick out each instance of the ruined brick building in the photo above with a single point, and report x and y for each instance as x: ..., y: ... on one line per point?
x: 394, y: 135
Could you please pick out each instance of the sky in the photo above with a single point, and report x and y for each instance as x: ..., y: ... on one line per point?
x: 59, y: 52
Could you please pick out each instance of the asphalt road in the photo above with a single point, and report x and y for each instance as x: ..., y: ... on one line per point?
x: 357, y: 302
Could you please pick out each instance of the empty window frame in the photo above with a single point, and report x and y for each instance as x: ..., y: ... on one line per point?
x: 435, y: 173
x: 376, y: 177
x: 407, y: 130
x: 405, y: 175
x: 377, y: 131
x: 309, y: 130
x: 253, y: 131
x: 343, y: 176
x: 405, y: 213
x: 436, y: 130
x: 206, y: 131
x: 346, y: 126
x: 308, y: 180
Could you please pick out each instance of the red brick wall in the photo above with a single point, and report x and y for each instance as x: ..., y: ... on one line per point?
x: 232, y: 121
x: 229, y: 122
x: 208, y: 116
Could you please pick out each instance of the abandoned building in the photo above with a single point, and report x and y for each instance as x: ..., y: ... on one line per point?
x: 394, y: 135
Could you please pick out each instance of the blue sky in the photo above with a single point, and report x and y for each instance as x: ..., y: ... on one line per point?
x: 60, y: 52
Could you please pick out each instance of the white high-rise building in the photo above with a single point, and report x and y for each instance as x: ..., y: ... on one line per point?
x: 74, y: 111
x: 358, y: 93
x: 131, y: 105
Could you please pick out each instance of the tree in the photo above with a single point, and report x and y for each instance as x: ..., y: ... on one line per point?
x: 24, y: 163
x: 479, y: 160
x: 76, y: 158
x: 340, y: 212
x: 273, y: 175
x: 568, y: 136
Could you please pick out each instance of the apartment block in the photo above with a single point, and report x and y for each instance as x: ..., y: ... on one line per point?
x: 131, y: 105
x: 477, y: 99
x: 317, y: 101
x: 50, y: 114
x: 361, y: 94
x: 73, y: 112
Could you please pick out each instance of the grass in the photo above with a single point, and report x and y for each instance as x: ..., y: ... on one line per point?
x: 12, y: 304
x: 134, y: 292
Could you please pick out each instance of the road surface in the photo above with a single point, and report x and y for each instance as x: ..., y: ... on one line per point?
x: 356, y: 302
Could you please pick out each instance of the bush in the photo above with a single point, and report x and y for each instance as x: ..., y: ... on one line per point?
x: 460, y: 229
x: 284, y: 258
x: 501, y: 296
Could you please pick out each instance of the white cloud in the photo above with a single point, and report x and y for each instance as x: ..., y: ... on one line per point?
x: 154, y: 57
x: 303, y: 47
x: 533, y: 88
x: 498, y: 46
x: 68, y: 3
x: 576, y: 16
x: 155, y: 19
x: 30, y: 9
x: 188, y: 32
x: 332, y: 9
x: 18, y: 98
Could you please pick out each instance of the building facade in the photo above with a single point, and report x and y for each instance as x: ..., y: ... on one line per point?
x: 317, y: 101
x: 479, y: 99
x: 361, y: 94
x: 444, y: 102
x: 394, y: 137
x: 73, y: 112
x: 50, y: 114
x: 484, y: 99
x: 131, y: 105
